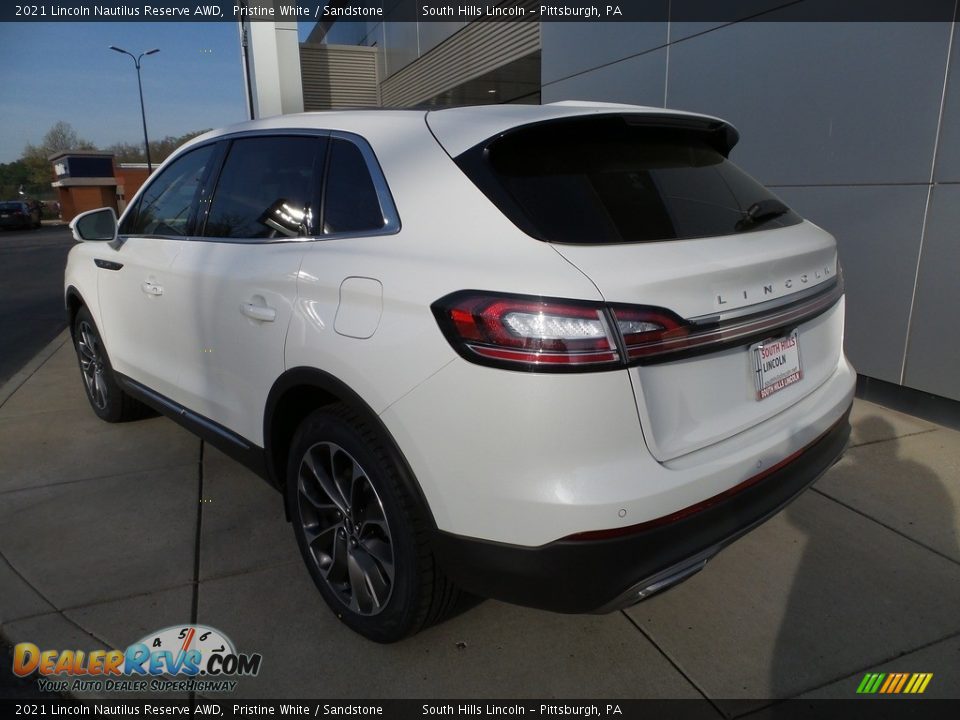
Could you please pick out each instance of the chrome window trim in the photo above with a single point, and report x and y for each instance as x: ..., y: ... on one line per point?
x: 391, y: 218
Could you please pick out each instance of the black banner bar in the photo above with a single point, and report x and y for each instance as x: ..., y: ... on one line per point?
x: 900, y: 707
x: 719, y: 11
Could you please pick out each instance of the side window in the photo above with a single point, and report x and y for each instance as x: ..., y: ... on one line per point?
x: 350, y: 203
x: 165, y: 206
x: 266, y: 188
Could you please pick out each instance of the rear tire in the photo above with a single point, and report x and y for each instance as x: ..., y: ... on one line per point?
x: 364, y: 540
x: 107, y: 399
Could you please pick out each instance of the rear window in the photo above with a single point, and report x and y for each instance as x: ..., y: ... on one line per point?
x: 8, y: 206
x: 606, y: 180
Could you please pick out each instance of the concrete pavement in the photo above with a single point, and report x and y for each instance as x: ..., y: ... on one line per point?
x: 108, y: 532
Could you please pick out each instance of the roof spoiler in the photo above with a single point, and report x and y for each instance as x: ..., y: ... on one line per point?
x: 721, y: 135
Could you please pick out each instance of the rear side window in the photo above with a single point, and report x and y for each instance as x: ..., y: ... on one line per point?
x: 351, y: 203
x: 605, y: 180
x: 166, y: 205
x: 266, y: 188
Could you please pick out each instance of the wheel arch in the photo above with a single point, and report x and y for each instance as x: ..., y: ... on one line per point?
x: 72, y: 302
x: 300, y: 391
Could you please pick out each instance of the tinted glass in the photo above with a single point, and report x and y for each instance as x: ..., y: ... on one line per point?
x: 266, y: 189
x: 8, y: 206
x: 350, y: 203
x: 607, y: 181
x: 165, y: 206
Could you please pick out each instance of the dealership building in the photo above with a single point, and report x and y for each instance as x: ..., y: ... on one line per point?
x: 855, y: 125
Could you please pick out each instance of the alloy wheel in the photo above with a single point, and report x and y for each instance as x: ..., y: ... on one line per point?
x: 92, y: 365
x: 345, y: 528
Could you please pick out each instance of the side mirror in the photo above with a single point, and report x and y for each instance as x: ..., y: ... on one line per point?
x: 95, y: 225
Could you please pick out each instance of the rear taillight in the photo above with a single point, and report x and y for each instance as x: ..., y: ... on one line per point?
x: 525, y: 332
x: 544, y: 334
x: 646, y: 331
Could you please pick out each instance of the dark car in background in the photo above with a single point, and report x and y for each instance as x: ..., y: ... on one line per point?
x: 20, y: 214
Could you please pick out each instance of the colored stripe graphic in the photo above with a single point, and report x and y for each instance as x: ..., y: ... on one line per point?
x: 890, y: 683
x: 894, y: 683
x: 903, y: 681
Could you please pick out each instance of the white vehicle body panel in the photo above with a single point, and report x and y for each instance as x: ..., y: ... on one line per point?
x: 227, y: 359
x: 136, y: 310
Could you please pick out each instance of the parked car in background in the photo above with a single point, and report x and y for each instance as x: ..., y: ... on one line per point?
x: 19, y: 214
x: 560, y: 356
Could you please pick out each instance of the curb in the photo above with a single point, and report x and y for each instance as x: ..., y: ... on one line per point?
x: 34, y: 364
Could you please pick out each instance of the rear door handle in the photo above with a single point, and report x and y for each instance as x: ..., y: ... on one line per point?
x: 151, y: 288
x: 263, y: 313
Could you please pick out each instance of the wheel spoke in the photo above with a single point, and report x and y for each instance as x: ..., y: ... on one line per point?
x: 85, y: 351
x: 370, y: 587
x: 324, y: 480
x: 381, y: 552
x: 358, y: 483
x: 310, y: 490
x: 316, y: 531
x: 335, y: 567
x: 341, y: 472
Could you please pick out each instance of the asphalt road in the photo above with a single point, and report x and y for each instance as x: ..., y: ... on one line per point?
x: 31, y: 292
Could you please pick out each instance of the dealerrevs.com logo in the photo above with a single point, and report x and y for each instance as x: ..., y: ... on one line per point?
x: 180, y: 658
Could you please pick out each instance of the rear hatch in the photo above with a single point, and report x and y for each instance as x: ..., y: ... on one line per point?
x: 652, y: 211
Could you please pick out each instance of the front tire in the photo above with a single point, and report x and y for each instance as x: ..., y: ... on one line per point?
x: 107, y: 399
x: 363, y: 539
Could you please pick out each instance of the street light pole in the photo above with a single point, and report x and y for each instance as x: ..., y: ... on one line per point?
x: 143, y: 114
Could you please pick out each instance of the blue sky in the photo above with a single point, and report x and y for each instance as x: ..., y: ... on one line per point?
x: 65, y: 71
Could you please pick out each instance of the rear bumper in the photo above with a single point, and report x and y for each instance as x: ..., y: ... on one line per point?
x: 601, y: 575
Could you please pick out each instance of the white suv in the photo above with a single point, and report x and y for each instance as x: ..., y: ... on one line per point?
x: 555, y: 355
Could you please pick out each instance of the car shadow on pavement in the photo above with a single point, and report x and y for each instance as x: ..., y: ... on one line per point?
x: 859, y: 597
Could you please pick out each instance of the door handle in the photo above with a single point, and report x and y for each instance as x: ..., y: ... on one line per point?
x: 151, y: 288
x: 263, y: 313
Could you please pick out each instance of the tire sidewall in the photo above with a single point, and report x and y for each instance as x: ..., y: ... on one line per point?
x: 403, y: 610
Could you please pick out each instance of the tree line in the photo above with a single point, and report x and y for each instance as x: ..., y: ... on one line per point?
x: 32, y: 171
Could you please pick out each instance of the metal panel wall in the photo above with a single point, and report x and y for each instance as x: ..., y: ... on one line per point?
x: 476, y: 49
x: 843, y: 120
x: 339, y: 76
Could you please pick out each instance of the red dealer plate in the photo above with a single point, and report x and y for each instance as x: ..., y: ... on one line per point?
x: 776, y: 364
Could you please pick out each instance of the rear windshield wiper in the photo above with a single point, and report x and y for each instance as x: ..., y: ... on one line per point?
x: 761, y: 212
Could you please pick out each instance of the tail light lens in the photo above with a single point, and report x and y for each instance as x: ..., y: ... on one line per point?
x: 647, y: 331
x: 524, y: 332
x: 549, y: 335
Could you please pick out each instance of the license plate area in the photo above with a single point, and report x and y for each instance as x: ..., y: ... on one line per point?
x: 776, y: 364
